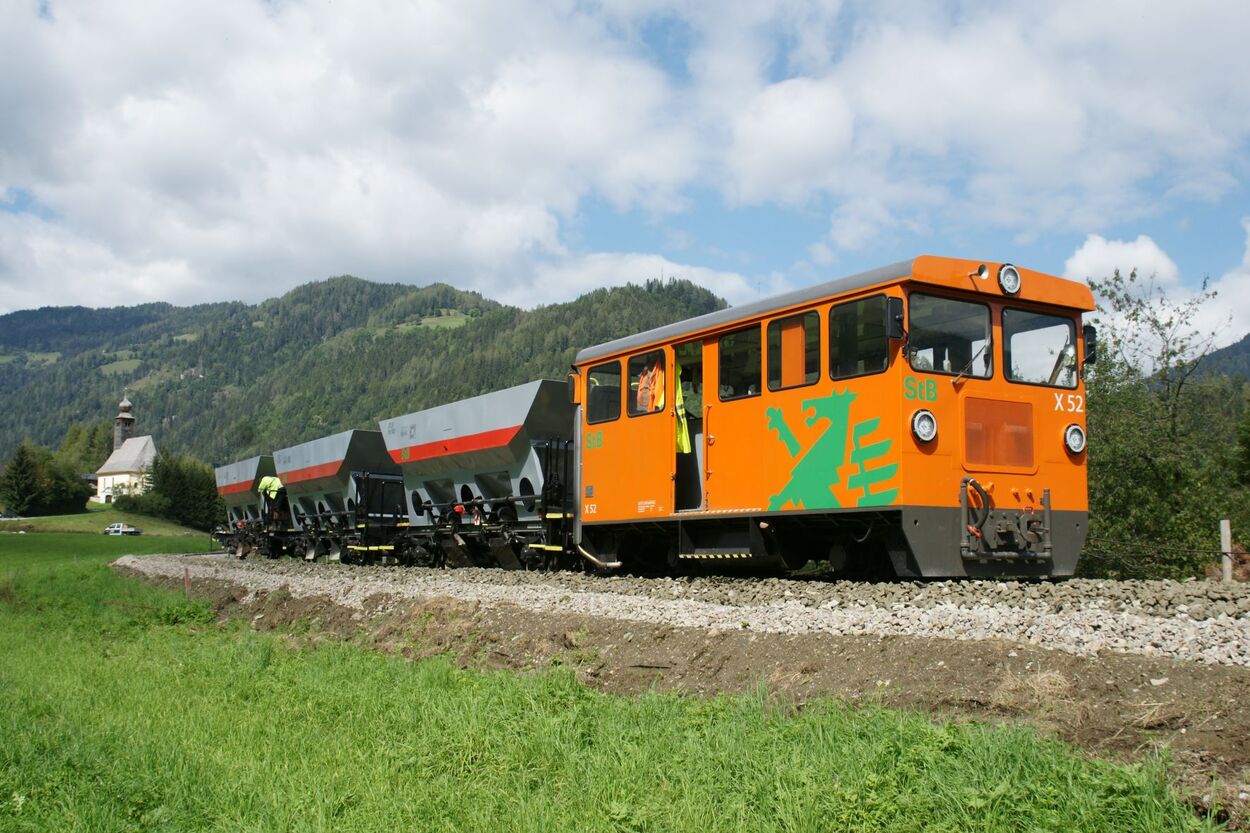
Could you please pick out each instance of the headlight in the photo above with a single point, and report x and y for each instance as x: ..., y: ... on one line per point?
x: 924, y: 425
x: 1074, y: 438
x: 1009, y: 278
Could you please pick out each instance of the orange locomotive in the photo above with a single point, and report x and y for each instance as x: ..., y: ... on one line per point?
x: 925, y: 418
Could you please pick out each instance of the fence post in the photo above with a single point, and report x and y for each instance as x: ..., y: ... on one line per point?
x: 1226, y: 548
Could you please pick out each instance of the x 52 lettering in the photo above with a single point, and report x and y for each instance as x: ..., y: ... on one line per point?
x: 1070, y: 402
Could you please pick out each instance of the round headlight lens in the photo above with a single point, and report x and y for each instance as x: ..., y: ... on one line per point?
x: 924, y: 425
x: 1074, y: 438
x: 1009, y: 278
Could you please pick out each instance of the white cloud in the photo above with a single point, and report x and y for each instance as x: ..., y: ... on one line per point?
x: 788, y: 140
x: 248, y: 148
x: 1229, y: 314
x: 1225, y: 317
x: 1098, y: 257
x: 234, y: 149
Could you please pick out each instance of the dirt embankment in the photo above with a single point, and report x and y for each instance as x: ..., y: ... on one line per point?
x: 1111, y: 703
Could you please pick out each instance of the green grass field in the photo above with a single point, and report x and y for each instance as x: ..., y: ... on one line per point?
x: 119, y: 367
x: 34, y: 358
x: 95, y: 519
x: 128, y: 708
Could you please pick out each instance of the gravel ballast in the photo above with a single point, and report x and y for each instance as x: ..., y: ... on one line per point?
x: 1200, y: 621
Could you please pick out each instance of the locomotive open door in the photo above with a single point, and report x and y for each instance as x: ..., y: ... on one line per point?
x: 689, y: 469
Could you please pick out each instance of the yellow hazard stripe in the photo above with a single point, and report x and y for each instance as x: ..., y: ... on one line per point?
x: 715, y: 555
x: 554, y: 516
x: 378, y: 548
x: 402, y: 523
x: 551, y: 547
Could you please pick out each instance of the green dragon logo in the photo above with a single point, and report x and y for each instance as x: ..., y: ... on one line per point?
x: 816, y: 470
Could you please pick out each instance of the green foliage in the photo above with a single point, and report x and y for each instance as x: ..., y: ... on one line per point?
x: 125, y: 707
x: 35, y: 482
x: 1162, y: 437
x: 182, y: 490
x: 1243, y: 451
x: 19, y: 485
x: 86, y: 445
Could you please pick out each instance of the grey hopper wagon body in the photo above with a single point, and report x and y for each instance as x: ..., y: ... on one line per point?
x: 332, y: 477
x: 237, y: 484
x: 481, y: 452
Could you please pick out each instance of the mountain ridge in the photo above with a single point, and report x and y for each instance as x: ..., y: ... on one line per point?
x: 228, y: 379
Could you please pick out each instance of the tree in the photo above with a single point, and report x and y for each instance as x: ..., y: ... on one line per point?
x: 36, y: 483
x: 86, y: 445
x: 19, y: 486
x: 1243, y: 451
x: 1161, y: 461
x: 183, y: 490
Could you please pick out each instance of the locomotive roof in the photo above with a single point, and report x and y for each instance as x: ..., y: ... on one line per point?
x: 849, y: 283
x: 945, y: 272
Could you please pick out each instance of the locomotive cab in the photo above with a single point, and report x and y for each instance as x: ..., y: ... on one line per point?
x: 924, y: 419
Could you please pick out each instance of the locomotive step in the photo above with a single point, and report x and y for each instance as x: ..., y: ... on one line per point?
x: 720, y: 553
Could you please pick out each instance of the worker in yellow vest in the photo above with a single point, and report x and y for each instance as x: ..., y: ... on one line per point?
x: 269, y: 487
x: 679, y: 406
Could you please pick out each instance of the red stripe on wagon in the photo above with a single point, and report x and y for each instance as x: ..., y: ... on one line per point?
x: 234, y: 488
x: 311, y: 472
x: 456, y: 445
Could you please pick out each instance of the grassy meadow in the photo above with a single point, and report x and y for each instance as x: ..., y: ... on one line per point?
x: 128, y: 708
x: 96, y: 518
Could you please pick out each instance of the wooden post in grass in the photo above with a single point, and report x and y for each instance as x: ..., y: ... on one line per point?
x: 186, y: 580
x: 1226, y: 550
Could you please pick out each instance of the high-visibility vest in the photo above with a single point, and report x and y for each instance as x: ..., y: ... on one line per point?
x: 679, y: 405
x: 269, y: 486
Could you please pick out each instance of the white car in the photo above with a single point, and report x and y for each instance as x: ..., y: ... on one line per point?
x: 122, y: 529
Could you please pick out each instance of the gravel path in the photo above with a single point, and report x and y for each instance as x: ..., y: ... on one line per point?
x: 1201, y: 621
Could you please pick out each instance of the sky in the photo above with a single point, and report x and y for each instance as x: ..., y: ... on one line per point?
x: 234, y: 149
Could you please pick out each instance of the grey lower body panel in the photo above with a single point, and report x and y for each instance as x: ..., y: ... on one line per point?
x: 917, y: 541
x: 928, y: 547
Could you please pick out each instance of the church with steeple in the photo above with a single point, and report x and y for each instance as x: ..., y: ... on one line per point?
x: 125, y: 471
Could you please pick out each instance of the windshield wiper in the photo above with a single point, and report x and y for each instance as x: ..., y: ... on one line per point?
x: 968, y: 366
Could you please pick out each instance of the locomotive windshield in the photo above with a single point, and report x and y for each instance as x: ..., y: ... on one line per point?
x: 1039, y: 349
x: 949, y: 336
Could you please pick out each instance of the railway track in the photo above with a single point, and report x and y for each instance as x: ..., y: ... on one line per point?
x: 1195, y: 621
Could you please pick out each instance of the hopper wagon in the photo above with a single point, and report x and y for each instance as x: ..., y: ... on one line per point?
x: 345, y: 497
x: 487, y: 479
x: 255, y: 522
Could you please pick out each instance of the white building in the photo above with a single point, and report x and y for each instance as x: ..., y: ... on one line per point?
x: 125, y: 471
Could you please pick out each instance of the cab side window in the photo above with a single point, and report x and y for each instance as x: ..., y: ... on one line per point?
x: 603, y: 392
x: 646, y: 383
x: 740, y: 364
x: 857, y: 340
x: 794, y: 351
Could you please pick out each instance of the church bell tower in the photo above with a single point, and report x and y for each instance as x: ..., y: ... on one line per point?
x: 123, y: 423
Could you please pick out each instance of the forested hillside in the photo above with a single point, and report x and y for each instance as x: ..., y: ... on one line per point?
x: 1233, y: 360
x: 222, y: 381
